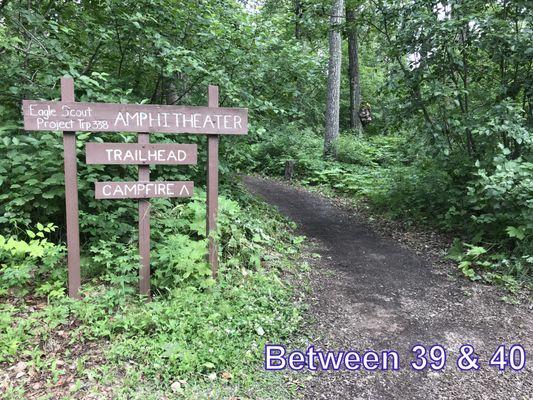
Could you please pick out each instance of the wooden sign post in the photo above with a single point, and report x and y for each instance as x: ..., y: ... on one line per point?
x: 71, y: 198
x: 212, y: 188
x: 70, y: 116
x: 144, y: 225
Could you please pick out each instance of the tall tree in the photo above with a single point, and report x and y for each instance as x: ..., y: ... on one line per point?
x: 353, y: 68
x: 334, y: 79
x: 298, y: 13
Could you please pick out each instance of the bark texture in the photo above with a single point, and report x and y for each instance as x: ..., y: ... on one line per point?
x: 353, y: 70
x: 334, y: 79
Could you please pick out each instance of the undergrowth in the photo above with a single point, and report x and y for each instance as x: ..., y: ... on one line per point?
x: 196, y: 335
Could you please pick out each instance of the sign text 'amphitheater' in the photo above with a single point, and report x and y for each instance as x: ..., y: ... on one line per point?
x: 103, y: 117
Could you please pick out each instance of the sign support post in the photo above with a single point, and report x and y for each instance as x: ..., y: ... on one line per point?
x: 71, y: 197
x: 144, y: 225
x: 212, y: 187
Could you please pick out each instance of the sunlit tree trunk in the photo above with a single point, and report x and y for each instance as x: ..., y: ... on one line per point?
x: 334, y: 79
x: 353, y: 70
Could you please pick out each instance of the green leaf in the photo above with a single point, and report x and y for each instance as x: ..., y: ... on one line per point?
x: 518, y: 233
x: 475, y: 251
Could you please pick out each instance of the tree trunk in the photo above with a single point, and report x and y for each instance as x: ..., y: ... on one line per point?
x: 334, y: 79
x: 298, y: 12
x: 353, y: 71
x: 170, y: 91
x: 298, y: 15
x: 289, y: 169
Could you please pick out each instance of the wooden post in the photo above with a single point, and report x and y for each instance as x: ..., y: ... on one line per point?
x: 289, y: 169
x: 212, y: 188
x: 71, y: 197
x: 144, y: 226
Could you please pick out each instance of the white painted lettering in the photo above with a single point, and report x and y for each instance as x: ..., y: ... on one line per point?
x: 227, y: 121
x: 120, y: 118
x: 187, y: 121
x: 184, y: 189
x: 165, y: 119
x: 170, y: 189
x: 237, y: 121
x: 109, y: 152
x: 154, y: 121
x: 217, y: 117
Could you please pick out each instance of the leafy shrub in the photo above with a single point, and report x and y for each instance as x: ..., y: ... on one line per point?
x: 31, y: 178
x: 24, y: 263
x: 179, y: 245
x: 370, y: 150
x: 501, y: 192
x: 422, y: 191
x: 181, y: 262
x: 181, y: 242
x: 478, y: 262
x: 117, y: 265
x: 503, y: 203
x: 291, y: 142
x: 193, y: 325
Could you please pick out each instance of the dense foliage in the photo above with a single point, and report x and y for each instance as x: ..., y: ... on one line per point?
x: 182, y: 334
x: 449, y: 86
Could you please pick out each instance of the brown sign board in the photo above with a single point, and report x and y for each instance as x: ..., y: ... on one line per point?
x: 142, y: 190
x: 104, y: 117
x: 142, y: 154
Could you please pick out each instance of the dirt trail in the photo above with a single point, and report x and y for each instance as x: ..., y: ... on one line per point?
x: 371, y: 293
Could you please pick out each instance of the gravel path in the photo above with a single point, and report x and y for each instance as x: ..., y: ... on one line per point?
x: 369, y: 292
